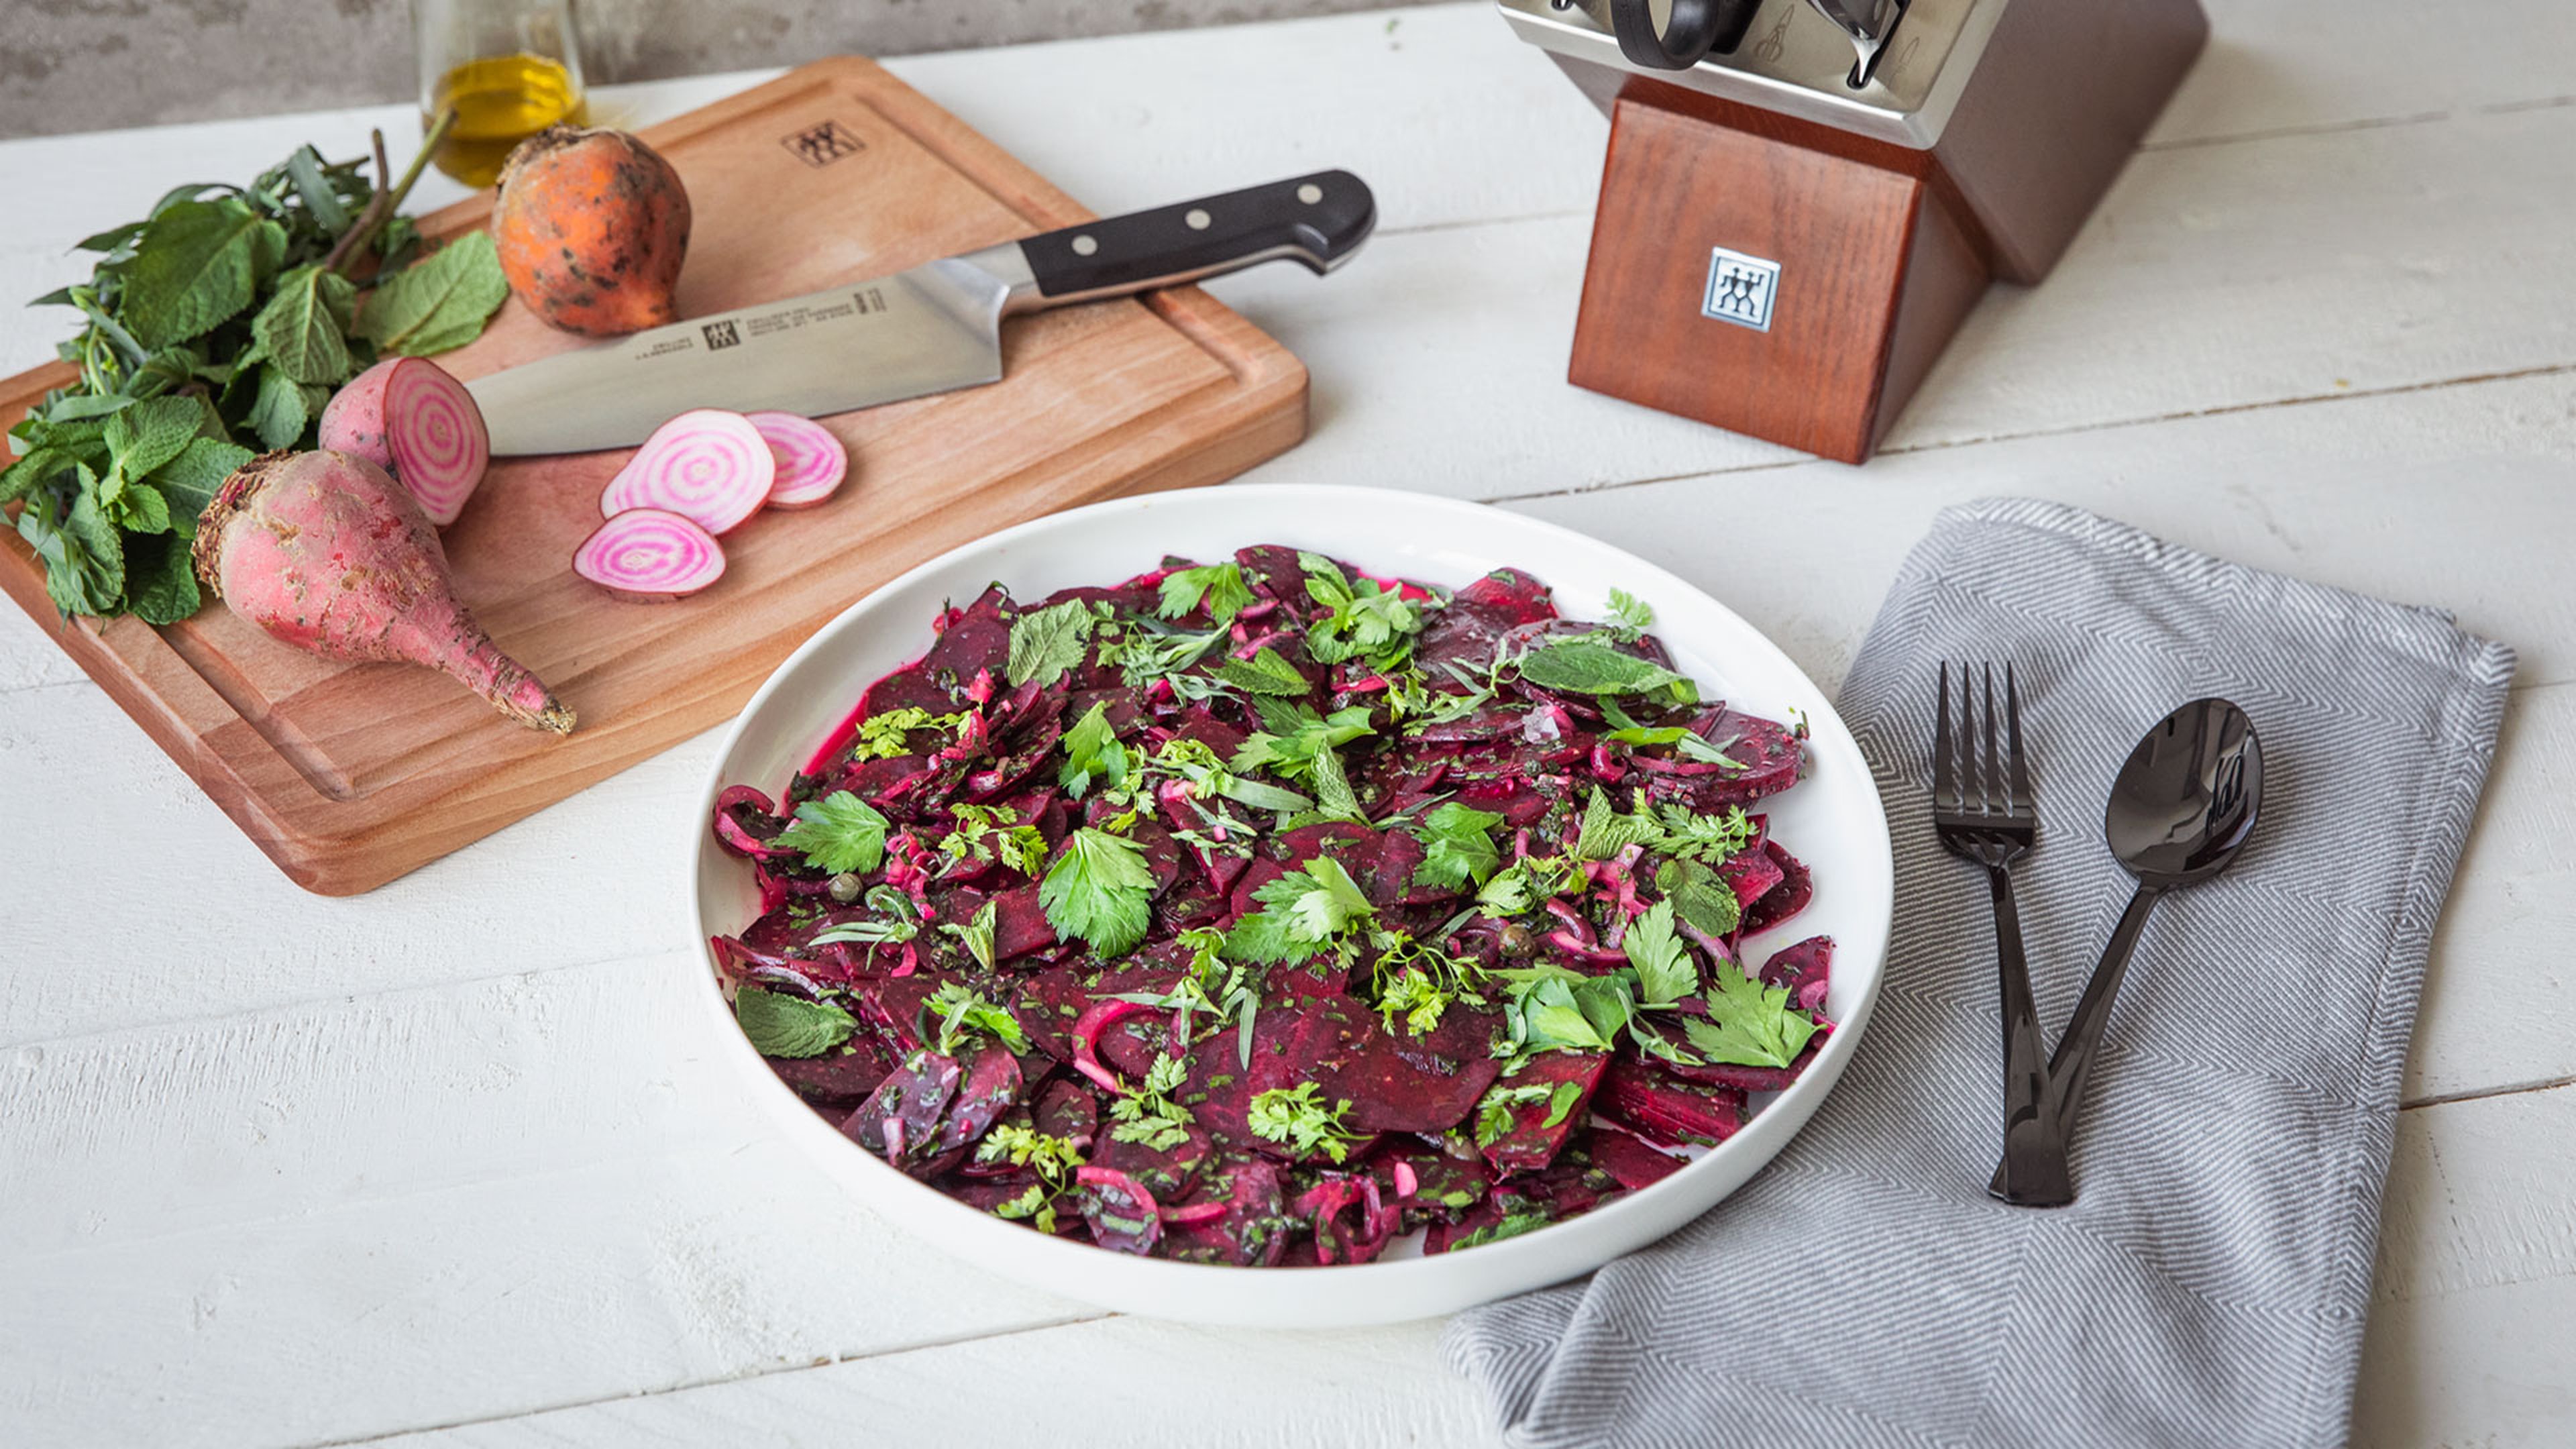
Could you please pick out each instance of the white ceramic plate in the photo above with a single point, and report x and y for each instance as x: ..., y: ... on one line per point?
x: 1832, y: 821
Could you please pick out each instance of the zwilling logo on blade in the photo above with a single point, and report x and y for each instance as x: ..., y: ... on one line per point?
x: 721, y: 335
x: 1741, y: 289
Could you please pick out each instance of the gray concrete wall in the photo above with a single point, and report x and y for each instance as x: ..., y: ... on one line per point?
x: 84, y: 65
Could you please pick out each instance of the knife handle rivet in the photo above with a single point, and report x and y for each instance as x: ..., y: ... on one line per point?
x: 1198, y: 218
x: 1085, y: 245
x: 1310, y: 193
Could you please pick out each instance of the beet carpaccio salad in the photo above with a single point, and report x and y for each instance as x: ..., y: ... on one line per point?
x: 1261, y: 912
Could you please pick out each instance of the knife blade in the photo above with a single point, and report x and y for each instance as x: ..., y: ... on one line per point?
x: 934, y: 328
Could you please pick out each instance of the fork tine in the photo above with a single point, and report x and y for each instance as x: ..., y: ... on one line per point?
x: 1941, y: 781
x: 1994, y: 762
x: 1972, y: 791
x: 2022, y: 800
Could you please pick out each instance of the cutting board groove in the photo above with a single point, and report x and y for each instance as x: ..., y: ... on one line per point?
x: 351, y: 775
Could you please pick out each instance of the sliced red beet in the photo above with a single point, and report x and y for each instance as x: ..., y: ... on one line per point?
x: 900, y: 1120
x: 649, y: 554
x: 1427, y: 1183
x: 1124, y: 1217
x: 1804, y: 968
x: 707, y: 465
x: 1251, y: 1230
x: 1752, y: 874
x: 1631, y: 1160
x: 837, y: 1078
x: 1533, y: 1139
x: 1664, y: 1108
x: 811, y: 461
x: 1784, y: 900
x: 1167, y: 1172
x: 990, y: 1086
x: 1067, y: 1109
x: 1353, y: 1223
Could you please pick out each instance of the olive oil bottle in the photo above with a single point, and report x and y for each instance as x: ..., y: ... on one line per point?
x: 500, y: 101
x: 508, y: 68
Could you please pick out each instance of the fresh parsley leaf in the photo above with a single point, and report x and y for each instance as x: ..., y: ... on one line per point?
x: 1148, y: 1114
x: 438, y: 302
x: 1500, y: 1106
x: 1512, y: 1226
x: 1099, y: 889
x: 1665, y: 971
x: 1557, y: 1014
x: 1525, y: 883
x: 1748, y: 1024
x: 1707, y: 838
x: 1458, y: 847
x: 888, y: 734
x: 1294, y: 738
x: 994, y: 832
x: 1630, y: 616
x: 1297, y: 1119
x: 1366, y: 618
x: 838, y: 833
x: 781, y: 1025
x: 1048, y: 643
x: 1413, y: 995
x: 1580, y: 666
x: 1267, y: 672
x: 1219, y: 585
x: 1092, y: 754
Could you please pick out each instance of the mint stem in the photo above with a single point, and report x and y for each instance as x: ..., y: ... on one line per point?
x: 382, y: 206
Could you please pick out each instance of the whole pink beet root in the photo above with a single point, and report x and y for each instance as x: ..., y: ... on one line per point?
x: 327, y: 553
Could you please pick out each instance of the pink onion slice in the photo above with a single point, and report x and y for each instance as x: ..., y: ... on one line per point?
x: 650, y: 554
x: 811, y: 461
x: 709, y: 466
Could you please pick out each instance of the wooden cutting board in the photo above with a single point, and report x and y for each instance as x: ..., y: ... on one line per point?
x: 350, y: 775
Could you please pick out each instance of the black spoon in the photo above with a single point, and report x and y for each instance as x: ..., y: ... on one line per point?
x: 2180, y: 810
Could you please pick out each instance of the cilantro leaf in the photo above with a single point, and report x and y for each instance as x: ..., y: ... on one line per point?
x: 838, y: 833
x: 1748, y: 1024
x: 1458, y: 848
x: 1092, y: 754
x: 1583, y: 666
x: 1099, y: 889
x: 1302, y: 912
x: 1267, y: 672
x: 1630, y: 616
x: 1048, y: 643
x: 1219, y: 585
x: 1297, y: 1119
x: 780, y: 1025
x: 1665, y: 971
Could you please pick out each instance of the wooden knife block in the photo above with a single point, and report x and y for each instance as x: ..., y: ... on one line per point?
x: 1879, y: 261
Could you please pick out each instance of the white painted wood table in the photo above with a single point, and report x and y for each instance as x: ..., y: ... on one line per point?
x: 443, y: 1163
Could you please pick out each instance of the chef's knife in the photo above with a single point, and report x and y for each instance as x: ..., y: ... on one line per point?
x: 930, y: 329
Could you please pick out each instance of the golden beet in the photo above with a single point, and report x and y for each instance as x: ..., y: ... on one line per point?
x: 592, y: 227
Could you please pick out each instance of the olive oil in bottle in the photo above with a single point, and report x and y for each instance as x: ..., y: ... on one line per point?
x: 500, y: 101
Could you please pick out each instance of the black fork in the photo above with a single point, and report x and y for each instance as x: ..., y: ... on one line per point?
x: 1983, y: 810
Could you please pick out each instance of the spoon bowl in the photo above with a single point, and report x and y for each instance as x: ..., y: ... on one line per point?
x: 2187, y: 798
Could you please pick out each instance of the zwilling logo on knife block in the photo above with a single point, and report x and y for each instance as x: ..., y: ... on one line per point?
x: 1740, y: 289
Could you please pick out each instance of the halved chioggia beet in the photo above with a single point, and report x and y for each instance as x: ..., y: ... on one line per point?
x: 650, y: 554
x: 707, y: 465
x: 408, y: 417
x: 811, y: 461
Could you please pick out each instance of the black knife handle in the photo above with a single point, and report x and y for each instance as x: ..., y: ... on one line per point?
x: 1318, y: 220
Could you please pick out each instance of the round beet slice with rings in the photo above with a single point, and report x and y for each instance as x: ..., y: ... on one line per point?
x: 811, y: 461
x: 709, y: 466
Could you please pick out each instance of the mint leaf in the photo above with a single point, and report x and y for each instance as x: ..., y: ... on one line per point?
x: 134, y: 507
x: 152, y: 432
x: 838, y: 833
x: 303, y: 329
x: 1267, y: 672
x: 1220, y: 586
x: 1048, y: 643
x: 780, y: 1025
x: 1606, y: 832
x: 197, y: 264
x: 278, y: 414
x: 1748, y: 1025
x: 1665, y: 971
x: 438, y: 302
x: 191, y: 480
x: 1699, y: 896
x: 1458, y: 849
x: 1099, y: 889
x: 1581, y: 666
x: 160, y: 579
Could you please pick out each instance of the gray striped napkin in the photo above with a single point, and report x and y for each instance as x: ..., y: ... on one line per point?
x: 2208, y: 1286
